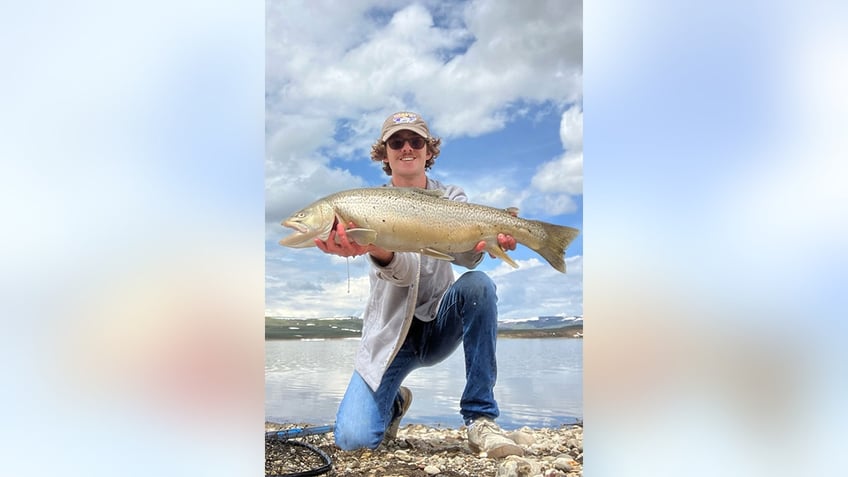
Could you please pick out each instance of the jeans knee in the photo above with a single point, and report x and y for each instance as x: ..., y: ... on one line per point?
x: 477, y: 283
x: 352, y: 439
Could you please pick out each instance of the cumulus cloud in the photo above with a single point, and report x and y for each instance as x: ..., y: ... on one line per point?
x: 550, y: 292
x: 571, y: 129
x: 454, y: 69
x: 561, y: 179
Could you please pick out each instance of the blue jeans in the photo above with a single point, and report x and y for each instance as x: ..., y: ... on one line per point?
x: 468, y: 314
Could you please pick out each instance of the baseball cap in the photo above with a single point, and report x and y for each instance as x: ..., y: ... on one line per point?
x: 404, y: 120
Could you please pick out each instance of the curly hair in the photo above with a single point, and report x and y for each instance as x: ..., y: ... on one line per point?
x: 378, y: 153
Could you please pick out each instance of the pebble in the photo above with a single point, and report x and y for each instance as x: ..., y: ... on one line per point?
x: 522, y: 438
x: 564, y: 464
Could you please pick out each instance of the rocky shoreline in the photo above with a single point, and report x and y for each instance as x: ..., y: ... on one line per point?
x: 425, y: 451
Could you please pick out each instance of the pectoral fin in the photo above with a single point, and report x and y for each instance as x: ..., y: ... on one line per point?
x: 436, y: 254
x: 497, y: 251
x: 362, y: 236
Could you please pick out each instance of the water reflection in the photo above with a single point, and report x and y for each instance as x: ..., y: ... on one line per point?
x: 540, y: 383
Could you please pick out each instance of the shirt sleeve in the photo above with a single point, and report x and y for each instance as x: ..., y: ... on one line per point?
x: 400, y: 271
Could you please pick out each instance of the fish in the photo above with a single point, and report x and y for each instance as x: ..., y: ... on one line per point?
x: 408, y: 219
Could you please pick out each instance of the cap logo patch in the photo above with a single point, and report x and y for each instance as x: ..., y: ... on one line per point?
x: 404, y: 118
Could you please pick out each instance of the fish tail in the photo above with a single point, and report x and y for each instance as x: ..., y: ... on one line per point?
x: 552, y: 249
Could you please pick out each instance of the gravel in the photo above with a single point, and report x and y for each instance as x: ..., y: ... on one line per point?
x: 425, y: 451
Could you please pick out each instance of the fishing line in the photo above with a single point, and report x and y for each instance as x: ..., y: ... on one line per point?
x: 288, y: 456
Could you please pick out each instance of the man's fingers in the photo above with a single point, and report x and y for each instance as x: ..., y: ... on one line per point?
x: 320, y: 244
x: 339, y: 244
x: 507, y: 242
x: 342, y: 234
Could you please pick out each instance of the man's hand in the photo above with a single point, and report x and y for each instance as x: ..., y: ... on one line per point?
x: 505, y: 241
x: 338, y: 244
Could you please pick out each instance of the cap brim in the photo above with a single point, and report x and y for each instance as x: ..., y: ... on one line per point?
x: 400, y: 127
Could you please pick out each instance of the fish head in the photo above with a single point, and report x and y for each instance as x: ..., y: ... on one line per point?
x: 314, y: 221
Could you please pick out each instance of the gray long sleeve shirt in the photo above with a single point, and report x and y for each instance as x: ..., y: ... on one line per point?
x: 411, y: 285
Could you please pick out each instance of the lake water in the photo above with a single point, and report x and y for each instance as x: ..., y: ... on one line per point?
x: 540, y: 383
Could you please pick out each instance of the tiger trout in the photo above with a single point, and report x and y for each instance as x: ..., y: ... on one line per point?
x: 421, y: 220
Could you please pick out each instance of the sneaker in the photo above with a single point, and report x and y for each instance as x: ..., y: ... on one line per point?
x: 486, y: 436
x: 405, y: 402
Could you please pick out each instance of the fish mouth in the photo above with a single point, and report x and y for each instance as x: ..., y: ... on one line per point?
x: 296, y: 225
x: 303, y: 236
x: 299, y: 237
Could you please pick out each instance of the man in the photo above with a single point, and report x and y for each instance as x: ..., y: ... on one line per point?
x: 417, y: 316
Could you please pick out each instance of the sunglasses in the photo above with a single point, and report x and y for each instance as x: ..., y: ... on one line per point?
x: 415, y: 142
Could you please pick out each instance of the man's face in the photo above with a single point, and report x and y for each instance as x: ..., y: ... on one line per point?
x: 406, y: 160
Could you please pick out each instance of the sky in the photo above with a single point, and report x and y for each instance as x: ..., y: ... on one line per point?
x: 499, y: 82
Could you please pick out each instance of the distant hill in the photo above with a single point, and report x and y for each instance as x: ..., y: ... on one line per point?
x: 313, y: 328
x: 542, y: 327
x: 351, y: 327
